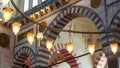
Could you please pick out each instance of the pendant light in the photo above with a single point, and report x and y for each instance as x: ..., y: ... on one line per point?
x: 91, y: 48
x: 30, y: 37
x: 114, y: 47
x: 7, y: 13
x: 91, y: 45
x: 16, y: 27
x: 49, y: 43
x: 69, y: 47
x: 39, y: 36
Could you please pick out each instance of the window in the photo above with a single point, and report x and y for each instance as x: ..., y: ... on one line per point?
x: 26, y: 5
x: 43, y: 0
x: 35, y: 2
x: 111, y: 1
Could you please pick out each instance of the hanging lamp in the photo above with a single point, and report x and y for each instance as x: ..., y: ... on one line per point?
x: 30, y: 37
x: 69, y: 47
x: 16, y: 27
x: 7, y: 13
x: 91, y: 48
x: 49, y: 43
x: 114, y: 47
x: 40, y: 36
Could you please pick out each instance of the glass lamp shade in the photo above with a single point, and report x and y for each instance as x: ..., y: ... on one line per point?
x: 49, y: 43
x: 69, y: 47
x: 7, y: 13
x: 16, y: 27
x: 114, y: 47
x: 40, y: 36
x: 30, y: 38
x: 91, y: 48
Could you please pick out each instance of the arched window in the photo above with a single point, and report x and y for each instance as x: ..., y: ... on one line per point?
x: 26, y: 5
x: 35, y: 2
x: 43, y: 0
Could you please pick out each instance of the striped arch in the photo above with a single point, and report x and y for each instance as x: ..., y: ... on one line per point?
x: 100, y: 60
x: 70, y: 13
x: 59, y: 58
x: 65, y: 55
x: 28, y: 62
x: 63, y: 19
x: 23, y: 54
x: 115, y: 25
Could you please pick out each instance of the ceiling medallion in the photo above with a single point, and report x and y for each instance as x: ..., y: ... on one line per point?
x: 95, y: 3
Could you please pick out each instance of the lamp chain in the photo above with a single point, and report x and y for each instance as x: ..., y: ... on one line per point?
x: 38, y: 40
x: 70, y: 32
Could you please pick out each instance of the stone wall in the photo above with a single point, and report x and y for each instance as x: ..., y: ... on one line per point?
x: 6, y: 54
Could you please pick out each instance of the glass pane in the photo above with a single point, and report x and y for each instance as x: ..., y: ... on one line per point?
x: 35, y: 2
x: 26, y: 5
x: 43, y: 0
x: 110, y: 1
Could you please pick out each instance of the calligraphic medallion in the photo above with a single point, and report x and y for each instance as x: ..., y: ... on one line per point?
x: 4, y: 40
x: 95, y: 3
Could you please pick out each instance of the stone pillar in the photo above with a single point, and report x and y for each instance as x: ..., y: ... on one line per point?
x: 111, y: 58
x: 113, y: 62
x: 6, y: 53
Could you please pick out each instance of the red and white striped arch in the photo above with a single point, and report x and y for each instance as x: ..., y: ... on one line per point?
x: 59, y: 58
x: 100, y: 60
x: 65, y: 55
